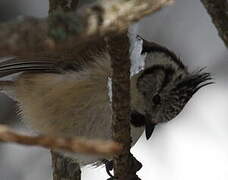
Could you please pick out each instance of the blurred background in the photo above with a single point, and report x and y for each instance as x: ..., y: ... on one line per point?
x: 194, y: 146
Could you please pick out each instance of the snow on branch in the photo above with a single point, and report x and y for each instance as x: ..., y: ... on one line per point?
x: 64, y: 32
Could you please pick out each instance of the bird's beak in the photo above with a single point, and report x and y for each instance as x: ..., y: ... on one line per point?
x: 149, y: 127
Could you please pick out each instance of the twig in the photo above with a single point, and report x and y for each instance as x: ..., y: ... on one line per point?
x: 80, y: 145
x: 218, y: 10
x: 119, y: 51
x: 63, y: 32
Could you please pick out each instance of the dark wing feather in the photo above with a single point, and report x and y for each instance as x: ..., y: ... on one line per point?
x: 16, y: 65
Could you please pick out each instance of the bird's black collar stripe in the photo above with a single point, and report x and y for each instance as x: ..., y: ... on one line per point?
x: 140, y: 120
x: 169, y: 72
x: 137, y: 119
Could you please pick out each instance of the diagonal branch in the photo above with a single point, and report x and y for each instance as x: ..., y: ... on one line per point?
x: 63, y: 32
x: 79, y: 145
x: 218, y: 10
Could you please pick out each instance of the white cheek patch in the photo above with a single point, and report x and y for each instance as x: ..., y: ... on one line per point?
x: 137, y: 59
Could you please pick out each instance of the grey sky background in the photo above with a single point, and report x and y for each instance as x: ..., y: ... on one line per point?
x: 192, y: 146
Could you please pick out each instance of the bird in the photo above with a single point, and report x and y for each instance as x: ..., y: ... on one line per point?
x: 72, y: 97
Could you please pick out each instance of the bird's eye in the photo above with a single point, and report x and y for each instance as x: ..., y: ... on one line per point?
x: 156, y: 99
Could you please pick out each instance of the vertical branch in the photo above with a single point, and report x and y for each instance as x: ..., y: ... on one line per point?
x: 218, y: 10
x: 123, y: 163
x: 64, y: 168
x: 62, y: 5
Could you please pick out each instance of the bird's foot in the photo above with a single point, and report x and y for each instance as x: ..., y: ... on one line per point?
x: 135, y: 166
x: 108, y: 168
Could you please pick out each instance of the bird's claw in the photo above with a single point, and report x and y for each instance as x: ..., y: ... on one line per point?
x: 108, y: 168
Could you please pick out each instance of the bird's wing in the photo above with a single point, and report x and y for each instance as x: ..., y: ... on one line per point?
x: 17, y: 65
x: 11, y: 68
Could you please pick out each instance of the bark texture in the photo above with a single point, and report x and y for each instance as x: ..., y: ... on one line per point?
x: 80, y: 145
x: 65, y: 168
x: 125, y: 167
x: 218, y: 10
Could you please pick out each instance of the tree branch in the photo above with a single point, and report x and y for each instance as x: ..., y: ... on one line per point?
x: 65, y: 168
x: 218, y: 10
x: 119, y: 51
x: 63, y: 32
x: 80, y: 145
